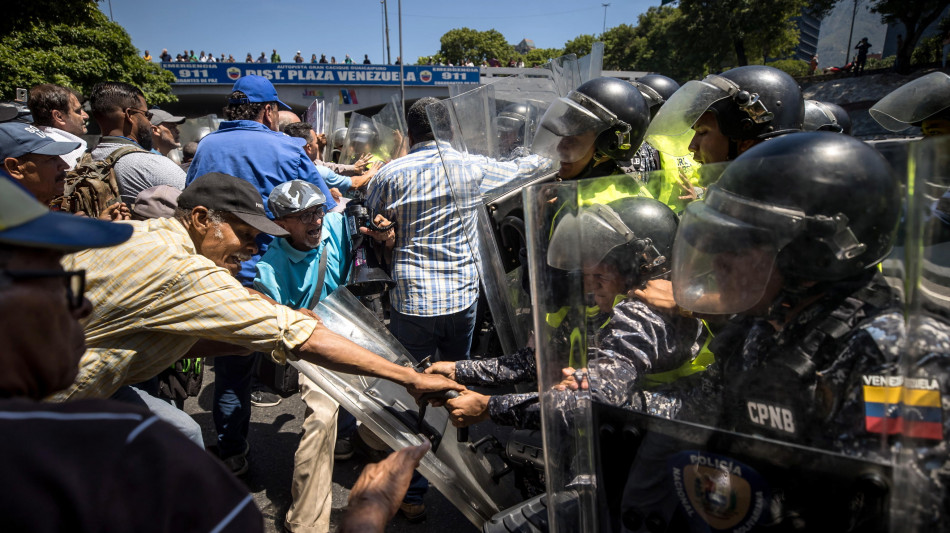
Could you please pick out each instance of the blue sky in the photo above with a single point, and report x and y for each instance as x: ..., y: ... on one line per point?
x: 355, y: 26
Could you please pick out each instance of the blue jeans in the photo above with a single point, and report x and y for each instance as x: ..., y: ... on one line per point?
x: 231, y: 407
x: 163, y: 410
x: 449, y: 337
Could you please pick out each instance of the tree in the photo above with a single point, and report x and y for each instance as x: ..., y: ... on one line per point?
x: 659, y: 43
x: 461, y: 44
x: 73, y: 44
x: 540, y: 56
x: 579, y: 46
x: 619, y: 44
x: 915, y: 15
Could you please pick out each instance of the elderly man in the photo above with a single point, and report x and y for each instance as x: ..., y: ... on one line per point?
x: 165, y: 131
x: 172, y: 284
x: 34, y: 159
x: 249, y: 146
x: 89, y: 465
x: 58, y: 112
x: 123, y: 116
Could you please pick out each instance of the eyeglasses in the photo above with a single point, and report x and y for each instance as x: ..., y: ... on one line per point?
x: 309, y: 217
x: 148, y: 114
x: 75, y: 282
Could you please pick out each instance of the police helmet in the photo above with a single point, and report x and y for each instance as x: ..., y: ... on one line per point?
x: 610, y: 110
x: 817, y: 206
x: 512, y: 119
x: 826, y: 116
x: 634, y: 234
x: 767, y: 102
x: 337, y: 139
x: 657, y: 89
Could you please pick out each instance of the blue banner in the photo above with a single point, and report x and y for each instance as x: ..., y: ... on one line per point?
x: 321, y: 74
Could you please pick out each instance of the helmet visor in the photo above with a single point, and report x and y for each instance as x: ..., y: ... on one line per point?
x: 675, y: 119
x: 570, y: 126
x: 913, y: 102
x: 721, y: 265
x: 585, y: 239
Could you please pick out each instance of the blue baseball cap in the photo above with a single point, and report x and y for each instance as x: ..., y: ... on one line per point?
x: 26, y: 222
x: 17, y: 138
x: 258, y: 90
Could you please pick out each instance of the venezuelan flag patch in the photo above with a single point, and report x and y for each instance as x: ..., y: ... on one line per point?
x: 894, y: 405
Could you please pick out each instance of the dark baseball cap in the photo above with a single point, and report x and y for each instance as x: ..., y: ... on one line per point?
x: 17, y: 138
x: 26, y: 222
x: 258, y: 90
x: 160, y: 116
x: 229, y: 194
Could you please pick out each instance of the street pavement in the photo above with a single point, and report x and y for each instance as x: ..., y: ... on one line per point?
x: 273, y: 435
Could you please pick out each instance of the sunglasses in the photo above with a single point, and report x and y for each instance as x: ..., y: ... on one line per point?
x: 148, y: 114
x: 75, y: 281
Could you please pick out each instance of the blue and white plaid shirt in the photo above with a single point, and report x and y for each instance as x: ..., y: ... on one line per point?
x: 433, y: 260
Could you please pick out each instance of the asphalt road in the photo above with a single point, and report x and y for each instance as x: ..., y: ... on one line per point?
x: 273, y: 436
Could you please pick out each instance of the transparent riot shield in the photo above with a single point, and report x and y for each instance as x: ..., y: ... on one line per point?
x: 591, y: 65
x: 468, y: 474
x: 194, y: 129
x: 391, y: 126
x: 465, y: 128
x: 565, y: 72
x: 922, y: 501
x: 361, y: 138
x: 712, y: 449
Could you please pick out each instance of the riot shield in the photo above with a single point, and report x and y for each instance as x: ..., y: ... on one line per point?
x: 922, y: 496
x: 565, y: 72
x: 465, y: 128
x: 682, y: 455
x: 361, y: 138
x: 591, y: 65
x: 467, y: 473
x: 323, y: 116
x: 391, y: 126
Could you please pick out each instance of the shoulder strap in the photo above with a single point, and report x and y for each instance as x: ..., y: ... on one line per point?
x: 113, y: 158
x: 318, y: 291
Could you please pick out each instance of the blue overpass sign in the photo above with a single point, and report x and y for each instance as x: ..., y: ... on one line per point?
x: 322, y: 74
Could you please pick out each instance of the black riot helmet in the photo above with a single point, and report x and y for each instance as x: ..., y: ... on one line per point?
x: 656, y: 89
x: 634, y: 234
x: 767, y: 103
x: 817, y: 205
x: 826, y: 116
x: 609, y: 108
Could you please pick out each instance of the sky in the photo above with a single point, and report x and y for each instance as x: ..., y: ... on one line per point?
x: 355, y: 27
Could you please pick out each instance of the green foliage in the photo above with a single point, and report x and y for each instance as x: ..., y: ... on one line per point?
x: 466, y: 43
x: 795, y: 68
x: 579, y: 46
x: 75, y: 52
x: 661, y: 43
x: 540, y: 56
x: 619, y: 42
x: 875, y: 63
x: 915, y: 15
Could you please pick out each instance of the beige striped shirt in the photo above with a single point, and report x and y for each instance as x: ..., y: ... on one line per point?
x: 153, y: 297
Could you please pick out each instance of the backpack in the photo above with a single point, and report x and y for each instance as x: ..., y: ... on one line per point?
x: 91, y: 186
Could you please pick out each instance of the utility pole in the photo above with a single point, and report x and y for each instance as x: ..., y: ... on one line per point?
x: 605, y: 18
x: 389, y: 60
x: 110, y: 11
x: 382, y: 29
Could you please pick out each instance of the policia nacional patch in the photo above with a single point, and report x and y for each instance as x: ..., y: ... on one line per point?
x: 895, y: 405
x: 724, y: 493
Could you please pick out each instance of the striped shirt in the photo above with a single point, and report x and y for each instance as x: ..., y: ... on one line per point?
x: 434, y: 260
x: 154, y: 296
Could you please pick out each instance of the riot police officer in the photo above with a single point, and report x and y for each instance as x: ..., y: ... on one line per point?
x: 594, y: 129
x: 617, y: 246
x: 729, y: 113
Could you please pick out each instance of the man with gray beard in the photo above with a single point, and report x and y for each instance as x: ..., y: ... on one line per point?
x: 124, y: 119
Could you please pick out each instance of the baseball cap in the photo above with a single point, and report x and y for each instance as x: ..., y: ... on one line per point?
x: 294, y: 196
x: 26, y: 222
x: 17, y: 138
x: 160, y: 116
x: 258, y: 90
x: 222, y: 192
x: 159, y: 201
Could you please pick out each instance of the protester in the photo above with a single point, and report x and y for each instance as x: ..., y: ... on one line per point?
x: 313, y: 149
x: 165, y: 57
x: 275, y: 57
x: 58, y: 112
x: 165, y: 131
x: 89, y: 465
x: 298, y: 58
x: 32, y: 159
x: 124, y: 119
